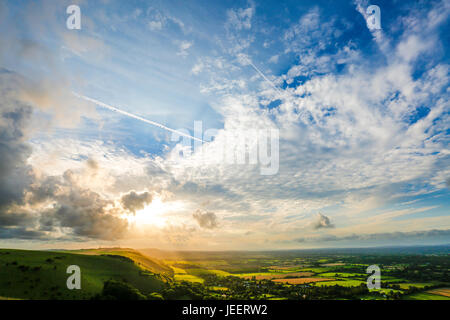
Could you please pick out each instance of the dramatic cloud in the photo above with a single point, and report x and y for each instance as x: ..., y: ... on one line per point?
x: 15, y: 173
x: 207, y: 220
x: 25, y: 197
x: 134, y: 201
x: 83, y: 211
x: 22, y: 233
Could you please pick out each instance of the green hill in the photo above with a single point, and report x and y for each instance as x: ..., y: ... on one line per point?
x: 42, y: 274
x: 150, y: 264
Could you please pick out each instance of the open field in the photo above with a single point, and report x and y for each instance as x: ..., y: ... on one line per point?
x: 425, y: 296
x: 417, y: 285
x: 269, y: 276
x: 200, y: 272
x: 316, y: 270
x: 188, y: 277
x: 333, y: 264
x: 300, y: 270
x: 301, y: 280
x: 287, y: 268
x: 343, y: 283
x: 178, y: 270
x: 342, y: 275
x: 442, y: 292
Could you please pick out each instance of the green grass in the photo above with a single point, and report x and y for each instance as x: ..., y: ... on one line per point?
x: 370, y: 297
x: 342, y: 275
x: 290, y: 270
x: 188, y: 278
x: 316, y: 270
x: 220, y: 273
x: 342, y: 283
x: 200, y: 272
x: 415, y: 284
x: 147, y: 263
x: 215, y: 288
x: 42, y: 274
x: 178, y: 270
x: 390, y: 279
x: 255, y: 274
x: 384, y: 290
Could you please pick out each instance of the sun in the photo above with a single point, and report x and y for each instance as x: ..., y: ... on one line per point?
x: 154, y: 214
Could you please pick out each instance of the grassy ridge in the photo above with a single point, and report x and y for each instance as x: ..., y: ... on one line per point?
x: 150, y: 264
x: 42, y: 274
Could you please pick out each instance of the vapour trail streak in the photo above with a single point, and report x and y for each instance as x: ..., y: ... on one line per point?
x: 281, y: 93
x: 264, y: 77
x: 156, y: 124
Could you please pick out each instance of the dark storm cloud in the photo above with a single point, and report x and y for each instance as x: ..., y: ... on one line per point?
x: 381, y: 236
x: 87, y: 213
x: 83, y: 212
x: 15, y: 174
x: 14, y: 151
x: 322, y: 222
x: 14, y: 219
x: 134, y: 201
x: 21, y: 233
x: 207, y: 220
x: 43, y: 191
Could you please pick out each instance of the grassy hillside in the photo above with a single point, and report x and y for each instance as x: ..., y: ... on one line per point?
x: 150, y: 264
x: 42, y: 274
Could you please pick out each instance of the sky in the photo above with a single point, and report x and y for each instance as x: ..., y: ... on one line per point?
x: 313, y: 126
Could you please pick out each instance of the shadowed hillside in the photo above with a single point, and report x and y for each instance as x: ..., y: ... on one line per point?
x: 42, y: 274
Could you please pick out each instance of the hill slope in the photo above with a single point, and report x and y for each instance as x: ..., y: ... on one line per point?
x: 42, y: 274
x: 150, y: 264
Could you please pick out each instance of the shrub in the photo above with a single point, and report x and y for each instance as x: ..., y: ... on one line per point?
x: 155, y: 296
x: 117, y: 290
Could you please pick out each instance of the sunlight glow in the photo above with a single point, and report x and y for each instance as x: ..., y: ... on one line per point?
x: 155, y: 213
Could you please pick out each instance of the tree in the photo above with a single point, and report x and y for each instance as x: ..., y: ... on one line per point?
x: 117, y: 290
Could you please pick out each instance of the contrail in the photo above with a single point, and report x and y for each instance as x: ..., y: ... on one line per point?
x: 264, y: 76
x: 104, y: 105
x: 277, y: 89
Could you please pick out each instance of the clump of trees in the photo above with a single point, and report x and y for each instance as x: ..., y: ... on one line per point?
x: 119, y: 290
